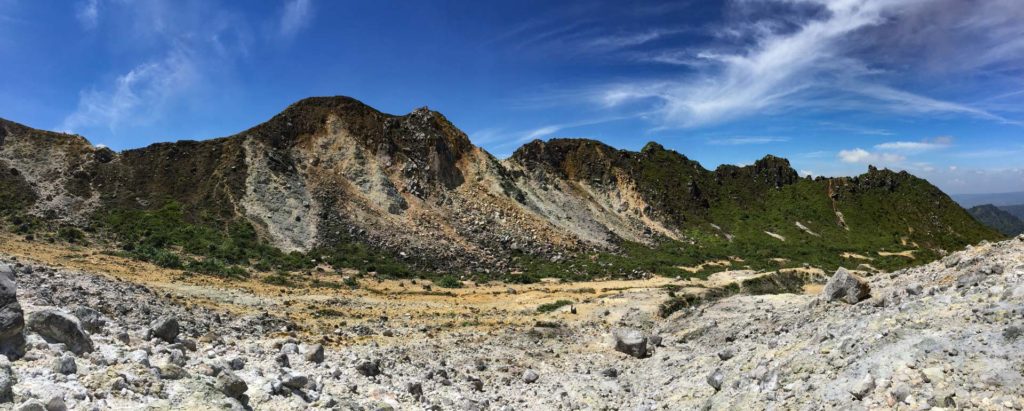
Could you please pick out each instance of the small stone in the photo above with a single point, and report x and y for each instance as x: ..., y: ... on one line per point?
x: 294, y: 380
x: 236, y: 363
x: 56, y: 403
x: 282, y: 360
x: 726, y: 354
x: 31, y: 405
x: 610, y: 373
x: 171, y: 371
x: 315, y: 354
x: 715, y: 379
x: 863, y: 387
x: 65, y: 364
x: 368, y: 368
x: 7, y: 381
x: 530, y: 377
x: 655, y: 340
x: 416, y: 389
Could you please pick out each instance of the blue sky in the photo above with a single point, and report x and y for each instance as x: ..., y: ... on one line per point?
x: 934, y: 87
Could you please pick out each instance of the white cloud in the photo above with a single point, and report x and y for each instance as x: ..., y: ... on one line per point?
x: 88, y: 13
x: 739, y: 141
x: 297, y: 15
x: 861, y: 156
x: 811, y: 63
x: 916, y: 146
x: 620, y: 41
x: 136, y: 96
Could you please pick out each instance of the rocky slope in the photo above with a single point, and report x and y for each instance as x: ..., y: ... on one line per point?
x: 946, y: 335
x: 328, y: 171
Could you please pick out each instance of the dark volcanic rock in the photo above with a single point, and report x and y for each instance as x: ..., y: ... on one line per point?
x: 58, y: 326
x: 12, y: 320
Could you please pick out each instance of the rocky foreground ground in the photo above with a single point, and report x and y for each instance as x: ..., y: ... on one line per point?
x: 947, y: 335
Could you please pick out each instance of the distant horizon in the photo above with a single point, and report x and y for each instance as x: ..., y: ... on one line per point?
x: 931, y: 87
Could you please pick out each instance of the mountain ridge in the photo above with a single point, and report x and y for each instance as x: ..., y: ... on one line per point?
x: 331, y: 172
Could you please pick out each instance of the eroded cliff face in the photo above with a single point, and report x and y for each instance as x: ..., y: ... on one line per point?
x: 332, y: 169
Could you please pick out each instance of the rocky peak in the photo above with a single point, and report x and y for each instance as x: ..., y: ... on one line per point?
x: 572, y: 158
x: 775, y: 171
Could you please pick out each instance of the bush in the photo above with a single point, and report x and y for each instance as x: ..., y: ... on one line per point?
x: 549, y: 307
x: 70, y: 234
x: 448, y: 281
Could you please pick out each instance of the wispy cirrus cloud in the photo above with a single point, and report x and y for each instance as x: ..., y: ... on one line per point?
x: 182, y: 44
x: 136, y: 96
x: 296, y: 16
x: 917, y: 146
x: 88, y: 13
x: 741, y: 141
x: 813, y: 60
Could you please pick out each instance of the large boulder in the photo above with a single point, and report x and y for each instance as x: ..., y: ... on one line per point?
x: 630, y: 341
x: 12, y: 318
x: 57, y: 326
x: 166, y: 328
x: 846, y: 287
x: 231, y: 385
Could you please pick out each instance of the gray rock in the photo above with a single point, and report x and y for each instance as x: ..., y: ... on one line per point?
x: 655, y: 340
x: 166, y: 328
x: 416, y: 389
x: 845, y: 287
x: 1013, y: 332
x: 863, y: 387
x: 726, y: 354
x: 139, y: 357
x: 368, y: 368
x: 294, y: 380
x: 715, y: 379
x: 610, y: 373
x: 58, y: 326
x: 238, y: 363
x: 65, y: 364
x: 315, y: 353
x: 56, y: 403
x: 90, y: 319
x: 7, y: 381
x: 171, y: 371
x: 282, y: 360
x: 630, y: 341
x: 12, y: 318
x: 231, y: 385
x: 530, y: 377
x: 31, y: 405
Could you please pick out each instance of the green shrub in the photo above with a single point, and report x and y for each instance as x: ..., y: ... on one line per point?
x: 448, y: 281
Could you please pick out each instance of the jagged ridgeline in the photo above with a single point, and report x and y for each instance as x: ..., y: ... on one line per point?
x: 331, y: 180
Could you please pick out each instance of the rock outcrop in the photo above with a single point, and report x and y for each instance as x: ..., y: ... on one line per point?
x: 12, y: 321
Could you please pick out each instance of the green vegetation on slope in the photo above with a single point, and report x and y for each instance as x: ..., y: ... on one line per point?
x: 998, y: 219
x: 165, y: 237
